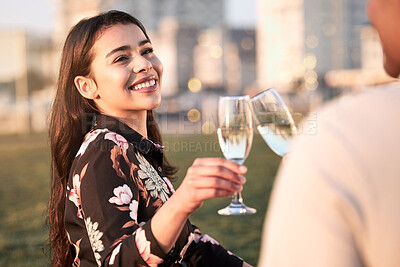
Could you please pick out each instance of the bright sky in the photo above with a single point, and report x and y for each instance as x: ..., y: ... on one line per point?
x: 39, y: 15
x: 241, y: 13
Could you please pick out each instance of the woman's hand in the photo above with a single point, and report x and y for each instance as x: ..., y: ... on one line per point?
x: 209, y: 178
x: 206, y: 178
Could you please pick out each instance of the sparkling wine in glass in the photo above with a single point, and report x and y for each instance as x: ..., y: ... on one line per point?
x: 235, y: 136
x: 274, y: 121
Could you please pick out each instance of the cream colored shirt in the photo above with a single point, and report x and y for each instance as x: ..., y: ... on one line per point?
x: 336, y: 201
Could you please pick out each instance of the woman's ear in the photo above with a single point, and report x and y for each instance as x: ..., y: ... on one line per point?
x: 86, y: 87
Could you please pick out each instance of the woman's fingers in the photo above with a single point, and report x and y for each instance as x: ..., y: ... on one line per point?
x: 215, y: 183
x: 233, y: 166
x: 216, y: 171
x: 208, y: 193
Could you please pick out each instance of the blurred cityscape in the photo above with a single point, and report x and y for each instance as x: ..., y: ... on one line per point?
x: 310, y: 51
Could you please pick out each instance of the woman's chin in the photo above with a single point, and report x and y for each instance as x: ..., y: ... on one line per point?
x: 154, y: 105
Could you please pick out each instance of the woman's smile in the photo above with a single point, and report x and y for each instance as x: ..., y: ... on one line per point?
x: 144, y: 85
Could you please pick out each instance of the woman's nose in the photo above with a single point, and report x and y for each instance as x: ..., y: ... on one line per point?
x: 141, y: 64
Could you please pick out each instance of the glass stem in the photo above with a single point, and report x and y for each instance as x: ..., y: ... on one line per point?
x: 237, y: 198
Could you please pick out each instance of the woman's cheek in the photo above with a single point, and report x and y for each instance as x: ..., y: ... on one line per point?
x: 158, y: 66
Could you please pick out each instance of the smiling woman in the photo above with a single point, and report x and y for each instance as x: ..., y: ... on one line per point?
x: 111, y: 200
x: 126, y: 76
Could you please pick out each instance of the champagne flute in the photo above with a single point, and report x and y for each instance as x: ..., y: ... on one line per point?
x: 274, y: 121
x: 235, y: 135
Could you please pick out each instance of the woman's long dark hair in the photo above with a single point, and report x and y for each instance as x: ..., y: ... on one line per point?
x: 69, y: 122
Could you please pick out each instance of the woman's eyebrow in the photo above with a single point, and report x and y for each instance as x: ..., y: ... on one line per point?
x: 121, y: 48
x: 126, y: 47
x: 143, y: 42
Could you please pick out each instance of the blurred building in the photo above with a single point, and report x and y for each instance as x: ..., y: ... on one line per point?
x: 282, y: 62
x: 280, y: 43
x: 299, y: 42
x: 25, y: 69
x: 371, y: 71
x: 332, y: 33
x: 333, y: 37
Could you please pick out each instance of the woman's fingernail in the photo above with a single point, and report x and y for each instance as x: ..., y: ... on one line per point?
x: 242, y: 178
x: 243, y: 168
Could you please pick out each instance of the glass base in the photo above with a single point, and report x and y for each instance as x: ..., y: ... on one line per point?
x: 236, y: 209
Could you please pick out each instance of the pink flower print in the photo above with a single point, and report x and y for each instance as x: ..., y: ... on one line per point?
x: 77, y: 261
x: 190, y: 240
x: 74, y: 194
x: 115, y: 253
x: 203, y: 238
x: 133, y: 207
x: 207, y: 238
x: 88, y: 139
x: 144, y: 249
x: 123, y: 195
x: 159, y: 146
x: 168, y: 182
x: 118, y: 139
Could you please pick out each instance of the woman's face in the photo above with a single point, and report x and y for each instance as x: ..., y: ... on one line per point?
x: 385, y: 16
x: 126, y: 72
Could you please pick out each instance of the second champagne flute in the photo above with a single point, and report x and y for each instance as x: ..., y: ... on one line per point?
x: 235, y: 135
x: 274, y: 121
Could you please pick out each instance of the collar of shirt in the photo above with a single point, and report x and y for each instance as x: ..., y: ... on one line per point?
x: 143, y: 144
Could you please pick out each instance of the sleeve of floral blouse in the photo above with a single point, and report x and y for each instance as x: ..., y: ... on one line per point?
x: 109, y: 199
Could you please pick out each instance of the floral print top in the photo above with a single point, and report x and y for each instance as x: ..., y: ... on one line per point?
x: 116, y: 185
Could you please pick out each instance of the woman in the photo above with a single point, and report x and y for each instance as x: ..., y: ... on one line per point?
x: 111, y: 201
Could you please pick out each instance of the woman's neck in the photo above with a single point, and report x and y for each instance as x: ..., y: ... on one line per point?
x: 136, y: 121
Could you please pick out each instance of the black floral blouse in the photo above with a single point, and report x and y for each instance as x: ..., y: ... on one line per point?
x: 116, y: 185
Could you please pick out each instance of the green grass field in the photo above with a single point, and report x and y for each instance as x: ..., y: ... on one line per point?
x: 24, y: 189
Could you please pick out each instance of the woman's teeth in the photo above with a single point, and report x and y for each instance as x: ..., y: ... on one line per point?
x: 144, y: 85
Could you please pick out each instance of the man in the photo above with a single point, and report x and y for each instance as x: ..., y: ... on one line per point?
x: 337, y: 196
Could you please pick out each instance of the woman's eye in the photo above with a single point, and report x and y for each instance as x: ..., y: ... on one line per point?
x: 121, y: 59
x: 147, y: 51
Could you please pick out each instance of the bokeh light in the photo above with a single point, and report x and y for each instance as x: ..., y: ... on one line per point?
x: 310, y: 76
x: 194, y: 85
x: 193, y: 115
x: 216, y: 51
x: 310, y: 61
x: 311, y: 86
x: 208, y: 127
